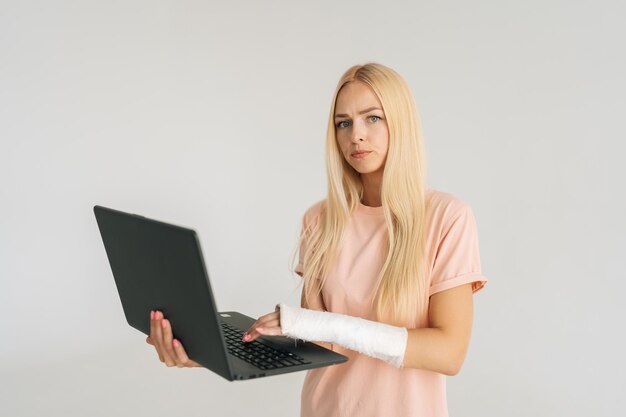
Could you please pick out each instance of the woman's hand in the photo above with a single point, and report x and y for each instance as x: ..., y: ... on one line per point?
x: 267, y: 325
x: 170, y: 350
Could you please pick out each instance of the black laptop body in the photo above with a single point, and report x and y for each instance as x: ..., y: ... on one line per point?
x: 159, y: 266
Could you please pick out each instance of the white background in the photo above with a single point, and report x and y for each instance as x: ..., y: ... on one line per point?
x: 213, y: 116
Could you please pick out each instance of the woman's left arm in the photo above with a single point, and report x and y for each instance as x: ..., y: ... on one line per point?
x: 442, y: 346
x: 439, y: 348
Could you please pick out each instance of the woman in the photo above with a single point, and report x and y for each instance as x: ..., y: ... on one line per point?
x: 389, y: 265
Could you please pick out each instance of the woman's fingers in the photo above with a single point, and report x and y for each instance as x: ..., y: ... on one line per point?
x: 160, y: 342
x: 262, y: 331
x: 267, y: 325
x: 168, y: 340
x: 153, y: 335
x: 181, y: 355
x: 264, y: 320
x: 170, y: 350
x: 272, y: 331
x: 183, y: 359
x: 251, y: 333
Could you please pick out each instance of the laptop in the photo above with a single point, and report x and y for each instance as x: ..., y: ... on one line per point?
x: 159, y: 266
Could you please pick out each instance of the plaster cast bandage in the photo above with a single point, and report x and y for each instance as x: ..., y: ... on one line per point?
x: 371, y: 338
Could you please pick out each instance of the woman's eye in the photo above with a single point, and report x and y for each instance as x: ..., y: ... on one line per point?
x: 374, y: 119
x: 342, y: 124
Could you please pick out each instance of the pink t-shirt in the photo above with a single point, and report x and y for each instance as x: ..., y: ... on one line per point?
x: 365, y: 386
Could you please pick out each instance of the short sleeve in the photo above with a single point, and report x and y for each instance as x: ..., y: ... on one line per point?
x: 457, y: 260
x: 299, y: 269
x: 309, y: 221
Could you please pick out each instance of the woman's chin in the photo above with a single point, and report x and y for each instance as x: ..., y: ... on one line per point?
x: 365, y: 170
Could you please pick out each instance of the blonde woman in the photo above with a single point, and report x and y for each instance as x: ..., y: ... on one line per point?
x: 389, y: 265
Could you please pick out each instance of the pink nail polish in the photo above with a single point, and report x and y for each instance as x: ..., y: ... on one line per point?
x: 164, y: 324
x: 151, y: 315
x: 176, y: 344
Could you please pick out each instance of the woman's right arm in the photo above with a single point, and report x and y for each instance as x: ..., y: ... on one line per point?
x: 170, y: 350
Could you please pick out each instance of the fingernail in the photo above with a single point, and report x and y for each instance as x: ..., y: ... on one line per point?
x: 164, y: 324
x: 246, y: 337
x: 151, y: 314
x: 176, y: 344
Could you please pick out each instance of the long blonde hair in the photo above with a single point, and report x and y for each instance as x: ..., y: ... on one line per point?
x: 401, y: 289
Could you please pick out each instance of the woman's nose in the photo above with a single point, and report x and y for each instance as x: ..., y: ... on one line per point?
x: 358, y: 133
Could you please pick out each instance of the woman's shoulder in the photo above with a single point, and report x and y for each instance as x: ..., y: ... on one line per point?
x: 315, y: 208
x: 312, y: 213
x: 444, y: 205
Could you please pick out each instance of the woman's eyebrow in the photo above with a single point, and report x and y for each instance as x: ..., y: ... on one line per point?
x: 369, y: 109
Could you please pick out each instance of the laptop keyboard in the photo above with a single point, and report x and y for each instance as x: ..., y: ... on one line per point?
x: 258, y: 353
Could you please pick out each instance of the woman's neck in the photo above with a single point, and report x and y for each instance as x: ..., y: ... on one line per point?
x: 371, y: 189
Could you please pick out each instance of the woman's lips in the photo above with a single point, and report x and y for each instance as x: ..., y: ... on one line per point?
x: 360, y: 155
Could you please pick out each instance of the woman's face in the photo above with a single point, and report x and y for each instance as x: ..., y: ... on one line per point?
x: 361, y: 128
